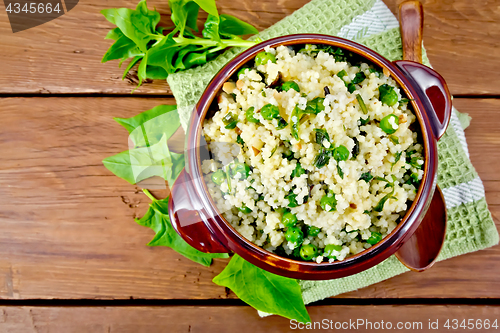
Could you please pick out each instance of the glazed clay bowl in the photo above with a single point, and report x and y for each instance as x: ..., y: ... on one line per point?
x: 196, y: 218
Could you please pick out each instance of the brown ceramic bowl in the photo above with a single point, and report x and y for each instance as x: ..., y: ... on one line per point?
x: 196, y: 218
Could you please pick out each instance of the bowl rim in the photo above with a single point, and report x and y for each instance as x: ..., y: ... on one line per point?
x: 375, y: 253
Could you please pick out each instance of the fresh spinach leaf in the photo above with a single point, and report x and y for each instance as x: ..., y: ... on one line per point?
x: 397, y: 158
x: 230, y: 25
x: 141, y: 163
x: 263, y: 290
x: 149, y: 126
x: 157, y: 218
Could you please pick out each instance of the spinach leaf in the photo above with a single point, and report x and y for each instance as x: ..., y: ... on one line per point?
x: 150, y: 126
x: 230, y: 25
x: 263, y: 290
x: 295, y: 121
x: 157, y: 218
x: 137, y: 36
x: 141, y: 163
x: 138, y: 25
x: 123, y: 48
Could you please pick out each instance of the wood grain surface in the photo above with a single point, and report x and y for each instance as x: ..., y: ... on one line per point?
x: 63, y: 56
x: 230, y: 318
x: 67, y: 228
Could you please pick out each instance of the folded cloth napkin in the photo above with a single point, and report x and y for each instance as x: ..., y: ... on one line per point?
x: 370, y: 22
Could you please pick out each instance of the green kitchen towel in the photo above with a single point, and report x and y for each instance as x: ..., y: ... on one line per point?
x: 370, y: 22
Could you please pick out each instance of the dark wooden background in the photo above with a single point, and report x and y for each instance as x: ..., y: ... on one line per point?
x: 73, y: 260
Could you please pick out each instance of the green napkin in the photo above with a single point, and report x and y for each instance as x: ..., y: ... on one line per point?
x: 370, y: 22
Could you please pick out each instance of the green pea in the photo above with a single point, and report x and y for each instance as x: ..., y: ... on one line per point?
x: 313, y: 231
x: 270, y: 112
x: 244, y: 210
x: 374, y: 238
x: 308, y: 251
x: 386, y: 125
x: 328, y: 252
x: 242, y: 71
x: 290, y: 85
x: 289, y: 219
x: 341, y: 153
x: 241, y: 168
x: 328, y: 199
x: 263, y: 58
x: 292, y: 198
x: 218, y: 177
x: 250, y: 115
x: 230, y: 121
x: 387, y: 94
x: 294, y: 235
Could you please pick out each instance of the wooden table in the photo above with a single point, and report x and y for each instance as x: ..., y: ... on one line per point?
x: 72, y: 259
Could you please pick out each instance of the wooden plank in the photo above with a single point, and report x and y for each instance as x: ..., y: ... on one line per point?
x: 63, y: 56
x: 408, y: 318
x: 67, y: 229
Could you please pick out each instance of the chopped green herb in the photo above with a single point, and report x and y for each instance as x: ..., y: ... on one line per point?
x: 362, y: 104
x: 388, y: 95
x: 315, y: 106
x: 240, y: 140
x: 288, y: 155
x: 358, y: 78
x: 298, y: 171
x: 295, y: 122
x: 374, y: 238
x: 351, y: 87
x: 230, y: 121
x: 414, y: 162
x: 281, y: 123
x: 249, y: 114
x: 397, y: 157
x: 394, y: 139
x: 240, y: 168
x: 321, y: 136
x: 322, y: 158
x: 244, y: 209
x: 364, y: 121
x: 366, y: 176
x: 292, y: 200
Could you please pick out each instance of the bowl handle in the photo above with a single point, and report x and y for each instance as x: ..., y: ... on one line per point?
x: 188, y: 217
x: 434, y: 94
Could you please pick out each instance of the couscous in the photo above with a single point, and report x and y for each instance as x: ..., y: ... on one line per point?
x: 313, y: 153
